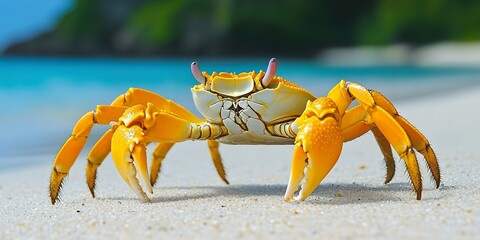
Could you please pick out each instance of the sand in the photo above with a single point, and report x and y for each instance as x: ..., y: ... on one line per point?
x: 191, y: 202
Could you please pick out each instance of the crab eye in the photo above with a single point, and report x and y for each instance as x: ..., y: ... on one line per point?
x: 270, y: 73
x: 197, y: 74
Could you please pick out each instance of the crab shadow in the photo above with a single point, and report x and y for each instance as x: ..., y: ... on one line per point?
x: 325, y: 194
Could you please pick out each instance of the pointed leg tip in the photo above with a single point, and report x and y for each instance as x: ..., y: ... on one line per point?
x: 153, y: 178
x: 226, y: 181
x: 388, y: 179
x: 91, y: 176
x: 418, y: 193
x: 92, y: 191
x: 153, y: 182
x: 53, y: 195
x: 91, y: 187
x: 419, y: 196
x: 438, y: 183
x: 53, y: 199
x: 56, y: 182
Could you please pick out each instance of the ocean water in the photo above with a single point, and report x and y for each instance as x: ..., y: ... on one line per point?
x: 41, y: 98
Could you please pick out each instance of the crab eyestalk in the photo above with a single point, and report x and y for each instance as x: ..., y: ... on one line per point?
x: 270, y: 73
x: 197, y: 74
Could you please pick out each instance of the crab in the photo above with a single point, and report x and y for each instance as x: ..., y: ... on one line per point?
x: 245, y: 108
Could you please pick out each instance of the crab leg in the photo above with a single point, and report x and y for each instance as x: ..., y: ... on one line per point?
x: 73, y: 146
x: 162, y: 149
x: 384, y: 116
x: 159, y: 154
x: 400, y: 141
x: 140, y: 125
x: 419, y: 141
x: 374, y: 113
x: 103, y: 147
x: 96, y: 156
x: 355, y: 123
x: 318, y: 145
x: 135, y: 96
x: 217, y: 159
x: 387, y: 153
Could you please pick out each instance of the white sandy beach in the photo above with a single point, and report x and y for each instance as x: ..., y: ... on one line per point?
x: 191, y: 202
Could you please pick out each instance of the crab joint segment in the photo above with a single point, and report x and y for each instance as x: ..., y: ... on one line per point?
x: 356, y: 122
x: 72, y: 147
x: 317, y: 147
x: 381, y: 115
x: 162, y: 121
x: 419, y: 141
x: 140, y: 125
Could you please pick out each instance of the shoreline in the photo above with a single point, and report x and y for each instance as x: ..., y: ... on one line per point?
x: 440, y: 54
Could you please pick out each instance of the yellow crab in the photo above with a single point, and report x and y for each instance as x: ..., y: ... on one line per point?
x: 245, y: 108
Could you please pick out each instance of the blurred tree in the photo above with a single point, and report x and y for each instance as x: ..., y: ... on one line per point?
x: 86, y: 20
x: 252, y: 27
x: 421, y: 22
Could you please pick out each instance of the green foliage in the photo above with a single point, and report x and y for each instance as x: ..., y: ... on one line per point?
x: 299, y: 27
x: 421, y: 22
x: 83, y: 20
x: 157, y: 21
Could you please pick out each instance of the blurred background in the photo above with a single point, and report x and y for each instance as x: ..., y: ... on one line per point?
x: 301, y: 28
x: 60, y: 58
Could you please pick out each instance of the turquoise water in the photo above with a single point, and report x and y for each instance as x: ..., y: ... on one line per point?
x: 41, y: 98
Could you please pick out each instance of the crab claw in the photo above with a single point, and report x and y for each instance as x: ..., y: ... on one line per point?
x: 129, y: 155
x: 318, y: 146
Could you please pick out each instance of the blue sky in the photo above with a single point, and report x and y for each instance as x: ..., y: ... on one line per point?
x: 23, y: 19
